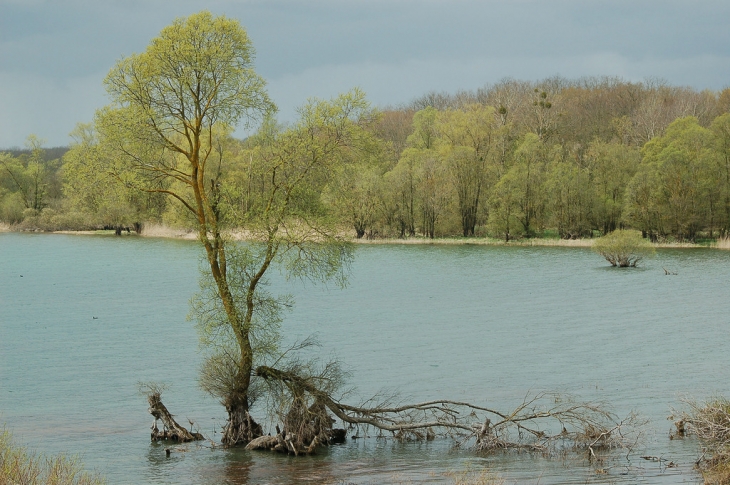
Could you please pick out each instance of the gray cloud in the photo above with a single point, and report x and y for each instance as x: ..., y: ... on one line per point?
x: 54, y: 55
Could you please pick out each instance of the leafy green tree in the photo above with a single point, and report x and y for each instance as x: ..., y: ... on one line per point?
x: 721, y: 129
x: 103, y: 190
x: 355, y: 191
x: 466, y: 140
x: 568, y: 200
x: 683, y: 158
x: 400, y: 182
x: 623, y: 248
x: 400, y: 200
x: 528, y: 174
x: 174, y: 106
x: 641, y: 201
x: 505, y: 211
x: 434, y: 190
x: 169, y: 102
x: 30, y: 176
x: 354, y: 195
x: 611, y: 167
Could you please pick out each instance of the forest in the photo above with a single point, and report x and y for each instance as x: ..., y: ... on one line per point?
x: 516, y: 159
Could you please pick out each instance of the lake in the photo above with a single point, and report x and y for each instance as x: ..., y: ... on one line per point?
x: 83, y: 319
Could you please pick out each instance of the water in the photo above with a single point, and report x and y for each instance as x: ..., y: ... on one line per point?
x: 91, y: 316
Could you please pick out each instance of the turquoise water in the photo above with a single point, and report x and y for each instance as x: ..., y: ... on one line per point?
x: 93, y: 315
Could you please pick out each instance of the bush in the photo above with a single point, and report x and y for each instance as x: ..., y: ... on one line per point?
x: 710, y: 422
x: 623, y: 248
x: 18, y: 465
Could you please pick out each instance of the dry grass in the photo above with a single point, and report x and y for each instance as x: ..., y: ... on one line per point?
x: 20, y: 466
x: 159, y: 230
x: 481, y: 241
x: 4, y: 227
x: 722, y: 243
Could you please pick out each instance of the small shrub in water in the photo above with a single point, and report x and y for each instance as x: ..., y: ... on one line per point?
x: 623, y: 248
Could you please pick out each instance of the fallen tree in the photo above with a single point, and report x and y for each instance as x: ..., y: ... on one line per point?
x: 540, y: 423
x: 307, y: 412
x: 171, y: 430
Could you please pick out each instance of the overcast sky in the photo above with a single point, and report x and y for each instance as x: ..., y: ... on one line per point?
x: 54, y: 54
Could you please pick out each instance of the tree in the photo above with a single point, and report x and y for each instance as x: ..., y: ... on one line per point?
x: 569, y: 198
x: 175, y: 103
x: 466, y: 139
x: 28, y: 175
x: 102, y: 189
x: 504, y: 207
x: 623, y: 248
x: 528, y: 173
x: 611, y: 166
x: 721, y: 129
x: 401, y: 180
x: 686, y: 194
x: 169, y: 104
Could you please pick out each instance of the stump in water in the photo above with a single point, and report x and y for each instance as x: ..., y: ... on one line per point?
x: 170, y: 429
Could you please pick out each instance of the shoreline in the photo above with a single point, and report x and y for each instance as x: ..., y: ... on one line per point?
x: 165, y: 232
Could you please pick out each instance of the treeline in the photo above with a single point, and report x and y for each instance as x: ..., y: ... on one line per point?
x: 511, y: 160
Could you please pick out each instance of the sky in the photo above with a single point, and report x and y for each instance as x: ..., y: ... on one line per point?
x: 54, y: 54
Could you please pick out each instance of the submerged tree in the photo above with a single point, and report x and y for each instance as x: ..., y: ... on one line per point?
x: 623, y: 248
x: 174, y: 106
x: 169, y: 105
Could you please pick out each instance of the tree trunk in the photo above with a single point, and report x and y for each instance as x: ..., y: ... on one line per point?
x: 241, y: 427
x: 171, y: 430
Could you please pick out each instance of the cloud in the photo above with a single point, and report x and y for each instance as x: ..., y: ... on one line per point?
x: 55, y: 54
x: 49, y: 108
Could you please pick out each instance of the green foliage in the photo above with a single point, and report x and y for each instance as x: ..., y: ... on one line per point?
x: 11, y: 207
x: 27, y: 181
x: 197, y: 73
x: 675, y: 191
x: 623, y: 248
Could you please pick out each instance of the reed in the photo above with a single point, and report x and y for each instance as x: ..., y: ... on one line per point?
x: 18, y: 465
x: 722, y: 243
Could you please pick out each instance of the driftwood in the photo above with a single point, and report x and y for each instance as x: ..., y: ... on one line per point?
x: 171, y: 430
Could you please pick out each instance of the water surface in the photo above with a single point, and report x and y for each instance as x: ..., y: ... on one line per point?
x: 84, y: 318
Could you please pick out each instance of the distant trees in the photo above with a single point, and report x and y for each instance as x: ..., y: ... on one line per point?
x: 510, y: 160
x: 677, y: 190
x: 98, y: 185
x: 29, y: 182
